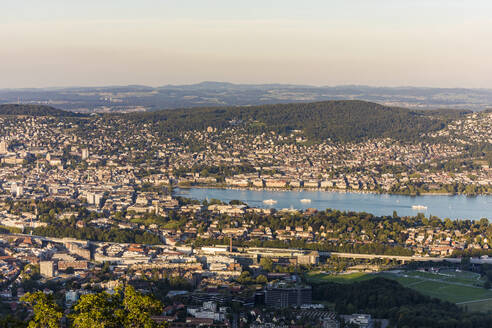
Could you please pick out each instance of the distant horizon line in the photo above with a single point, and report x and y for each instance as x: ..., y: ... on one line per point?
x: 271, y: 84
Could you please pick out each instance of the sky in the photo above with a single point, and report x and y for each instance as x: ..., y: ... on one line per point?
x: 58, y: 43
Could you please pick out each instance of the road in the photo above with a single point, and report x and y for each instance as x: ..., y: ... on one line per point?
x: 285, y: 251
x: 392, y: 257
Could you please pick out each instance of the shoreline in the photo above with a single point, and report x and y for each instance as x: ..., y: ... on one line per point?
x: 455, y: 207
x: 279, y: 189
x: 341, y: 191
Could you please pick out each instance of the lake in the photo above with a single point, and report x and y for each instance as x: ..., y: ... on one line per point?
x: 443, y: 206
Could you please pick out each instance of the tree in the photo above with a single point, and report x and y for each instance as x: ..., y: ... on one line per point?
x: 100, y: 310
x: 70, y: 270
x: 266, y: 263
x: 47, y: 313
x: 215, y: 201
x: 139, y: 308
x: 244, y: 278
x: 125, y: 308
x: 10, y: 321
x: 261, y: 279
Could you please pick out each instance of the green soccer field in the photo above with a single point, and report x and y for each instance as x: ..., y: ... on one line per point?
x: 462, y: 288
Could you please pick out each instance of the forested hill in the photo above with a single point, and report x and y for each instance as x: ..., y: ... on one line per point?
x: 33, y: 110
x: 346, y: 120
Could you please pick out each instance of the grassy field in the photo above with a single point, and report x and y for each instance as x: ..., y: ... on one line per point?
x: 456, y: 287
x: 451, y: 293
x: 479, y: 306
x: 319, y: 277
x: 463, y: 288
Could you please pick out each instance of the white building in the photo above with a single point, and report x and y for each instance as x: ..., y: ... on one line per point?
x: 85, y: 154
x: 4, y: 147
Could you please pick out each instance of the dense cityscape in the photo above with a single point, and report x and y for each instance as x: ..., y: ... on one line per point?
x: 87, y: 210
x: 245, y: 164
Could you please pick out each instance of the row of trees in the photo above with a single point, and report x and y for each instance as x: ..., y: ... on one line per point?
x: 98, y: 234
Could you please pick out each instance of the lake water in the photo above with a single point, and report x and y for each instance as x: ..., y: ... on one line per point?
x: 454, y: 207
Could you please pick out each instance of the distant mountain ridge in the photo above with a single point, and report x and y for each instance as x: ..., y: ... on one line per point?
x: 127, y: 98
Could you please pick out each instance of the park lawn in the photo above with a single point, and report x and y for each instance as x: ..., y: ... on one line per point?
x: 441, y: 287
x: 404, y: 281
x: 451, y: 293
x: 480, y: 306
x: 445, y: 290
x: 462, y: 274
x: 463, y: 277
x: 426, y: 275
x: 468, y: 278
x: 472, y: 282
x: 318, y: 277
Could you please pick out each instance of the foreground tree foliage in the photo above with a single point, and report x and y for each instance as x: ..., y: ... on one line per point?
x: 139, y: 308
x: 125, y: 308
x: 47, y: 314
x: 100, y: 310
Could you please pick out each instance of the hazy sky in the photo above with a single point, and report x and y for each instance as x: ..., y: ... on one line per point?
x: 327, y: 42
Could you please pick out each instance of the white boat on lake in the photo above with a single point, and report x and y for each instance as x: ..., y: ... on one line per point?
x: 419, y: 207
x: 305, y: 200
x: 270, y: 201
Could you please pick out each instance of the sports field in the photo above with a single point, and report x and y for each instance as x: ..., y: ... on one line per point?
x: 462, y: 288
x: 320, y: 277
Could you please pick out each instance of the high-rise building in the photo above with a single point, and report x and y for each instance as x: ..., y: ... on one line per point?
x: 16, y: 190
x: 91, y: 197
x: 85, y: 154
x: 94, y: 198
x: 4, y: 147
x: 19, y: 191
x: 47, y: 268
x: 282, y: 296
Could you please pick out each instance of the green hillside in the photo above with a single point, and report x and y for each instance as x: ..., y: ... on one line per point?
x: 34, y: 110
x: 346, y: 120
